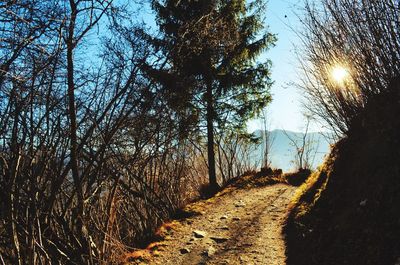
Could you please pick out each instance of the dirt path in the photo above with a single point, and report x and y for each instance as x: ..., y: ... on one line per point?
x: 242, y: 227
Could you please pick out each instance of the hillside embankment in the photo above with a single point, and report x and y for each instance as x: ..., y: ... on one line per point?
x: 348, y: 211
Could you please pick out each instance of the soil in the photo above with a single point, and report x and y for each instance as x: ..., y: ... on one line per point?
x: 240, y: 226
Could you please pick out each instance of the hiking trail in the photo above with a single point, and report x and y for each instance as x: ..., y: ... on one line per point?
x: 242, y: 226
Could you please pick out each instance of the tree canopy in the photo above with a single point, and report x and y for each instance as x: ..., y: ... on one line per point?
x: 211, y: 68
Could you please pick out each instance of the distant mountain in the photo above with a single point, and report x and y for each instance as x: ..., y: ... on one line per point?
x: 283, y: 152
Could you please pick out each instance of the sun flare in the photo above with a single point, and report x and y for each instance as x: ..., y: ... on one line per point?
x: 339, y: 74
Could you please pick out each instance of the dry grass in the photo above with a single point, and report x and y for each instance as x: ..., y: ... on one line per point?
x: 140, y: 255
x: 297, y: 178
x: 310, y: 191
x: 265, y: 177
x: 165, y: 229
x: 144, y: 255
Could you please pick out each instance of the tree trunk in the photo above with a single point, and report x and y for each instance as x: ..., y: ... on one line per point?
x: 210, y: 137
x: 73, y: 124
x: 12, y: 185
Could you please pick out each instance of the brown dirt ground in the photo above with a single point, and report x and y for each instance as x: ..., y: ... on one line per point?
x: 242, y: 226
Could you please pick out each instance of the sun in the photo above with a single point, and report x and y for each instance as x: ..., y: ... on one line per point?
x: 339, y: 74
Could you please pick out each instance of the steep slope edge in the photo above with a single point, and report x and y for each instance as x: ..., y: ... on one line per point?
x: 348, y: 211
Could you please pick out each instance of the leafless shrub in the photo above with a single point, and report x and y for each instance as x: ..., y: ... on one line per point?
x: 268, y: 139
x: 235, y: 155
x: 130, y: 165
x: 305, y: 148
x: 92, y: 159
x: 360, y: 36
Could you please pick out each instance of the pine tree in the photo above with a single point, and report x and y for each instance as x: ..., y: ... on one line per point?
x: 211, y: 49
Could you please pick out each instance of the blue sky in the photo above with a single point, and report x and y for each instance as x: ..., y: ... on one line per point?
x: 286, y: 110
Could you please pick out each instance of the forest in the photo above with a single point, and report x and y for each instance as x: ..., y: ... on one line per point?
x: 110, y: 124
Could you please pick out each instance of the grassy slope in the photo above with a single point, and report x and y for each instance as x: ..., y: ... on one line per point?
x: 349, y: 211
